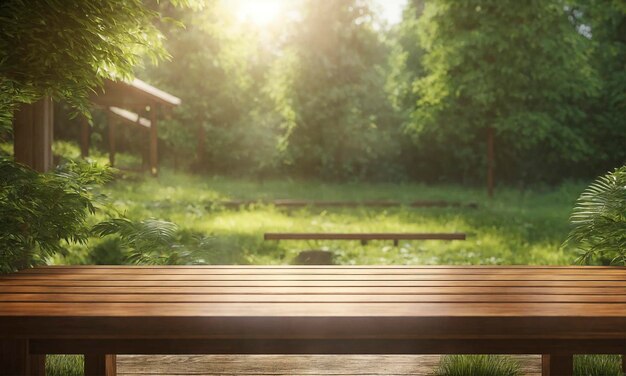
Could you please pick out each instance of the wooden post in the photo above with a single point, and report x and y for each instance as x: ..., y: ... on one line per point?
x: 32, y: 135
x: 200, y: 146
x: 100, y: 365
x: 85, y: 131
x: 557, y: 365
x: 490, y: 161
x: 111, y: 125
x: 37, y: 365
x: 14, y: 360
x: 154, y: 157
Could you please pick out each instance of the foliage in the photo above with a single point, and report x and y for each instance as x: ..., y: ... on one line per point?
x: 217, y: 69
x: 50, y: 48
x: 65, y: 365
x: 520, y: 68
x: 477, y: 365
x: 39, y: 211
x: 597, y: 365
x: 338, y: 121
x: 153, y: 242
x: 517, y: 227
x: 599, y: 219
x: 605, y: 22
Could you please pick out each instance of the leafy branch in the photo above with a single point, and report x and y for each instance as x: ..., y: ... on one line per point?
x: 599, y: 219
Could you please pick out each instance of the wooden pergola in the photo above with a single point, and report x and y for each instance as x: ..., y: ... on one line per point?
x: 124, y: 103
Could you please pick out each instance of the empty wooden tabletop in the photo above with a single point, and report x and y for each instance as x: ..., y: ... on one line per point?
x: 314, y: 302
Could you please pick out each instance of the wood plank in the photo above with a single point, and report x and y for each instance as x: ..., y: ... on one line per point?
x: 295, y: 277
x: 100, y: 365
x: 305, y: 365
x: 310, y: 270
x: 304, y: 273
x: 291, y: 203
x: 331, y: 298
x: 278, y: 365
x: 14, y: 357
x: 308, y: 282
x: 362, y: 236
x: 511, y: 345
x: 322, y: 290
x: 557, y: 365
x: 317, y: 309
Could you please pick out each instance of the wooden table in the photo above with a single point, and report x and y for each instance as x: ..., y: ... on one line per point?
x: 101, y: 311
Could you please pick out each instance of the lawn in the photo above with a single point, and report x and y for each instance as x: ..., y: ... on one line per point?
x: 516, y: 227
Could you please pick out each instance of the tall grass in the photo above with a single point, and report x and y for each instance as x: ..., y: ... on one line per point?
x: 64, y: 365
x: 598, y: 365
x: 478, y: 365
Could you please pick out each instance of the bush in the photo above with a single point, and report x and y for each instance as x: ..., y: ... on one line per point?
x: 39, y: 211
x: 477, y: 365
x: 599, y: 220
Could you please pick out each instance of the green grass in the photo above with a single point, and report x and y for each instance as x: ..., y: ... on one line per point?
x: 598, y: 365
x: 517, y: 227
x: 64, y: 365
x: 477, y: 365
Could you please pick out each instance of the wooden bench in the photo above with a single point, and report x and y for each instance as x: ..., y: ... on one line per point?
x: 101, y: 311
x: 363, y: 237
x: 289, y: 203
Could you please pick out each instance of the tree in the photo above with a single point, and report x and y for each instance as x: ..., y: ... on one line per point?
x: 217, y: 68
x: 605, y: 24
x: 331, y: 94
x: 516, y: 70
x: 65, y: 50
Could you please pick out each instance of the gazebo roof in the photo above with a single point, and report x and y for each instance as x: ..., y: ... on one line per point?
x: 130, y: 117
x: 136, y: 93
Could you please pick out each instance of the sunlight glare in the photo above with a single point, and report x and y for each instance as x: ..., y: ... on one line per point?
x: 260, y: 12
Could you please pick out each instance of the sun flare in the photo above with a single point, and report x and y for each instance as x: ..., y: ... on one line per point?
x: 260, y: 12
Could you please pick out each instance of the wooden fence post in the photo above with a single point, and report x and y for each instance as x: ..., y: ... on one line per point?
x: 32, y: 134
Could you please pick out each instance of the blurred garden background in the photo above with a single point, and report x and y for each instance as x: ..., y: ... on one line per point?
x: 327, y: 100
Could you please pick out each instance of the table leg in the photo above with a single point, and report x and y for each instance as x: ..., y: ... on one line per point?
x: 557, y: 365
x: 100, y: 365
x: 37, y: 365
x: 14, y: 359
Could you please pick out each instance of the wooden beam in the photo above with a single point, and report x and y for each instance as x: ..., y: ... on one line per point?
x: 37, y: 364
x: 32, y: 134
x: 154, y: 140
x: 100, y: 365
x: 85, y: 131
x: 363, y: 237
x: 14, y: 359
x: 557, y: 365
x: 112, y: 145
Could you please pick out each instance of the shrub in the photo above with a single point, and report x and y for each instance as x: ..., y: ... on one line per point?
x: 39, y: 211
x: 477, y: 365
x: 599, y: 220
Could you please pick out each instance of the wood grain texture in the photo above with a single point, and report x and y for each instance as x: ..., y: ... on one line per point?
x: 316, y: 309
x: 283, y: 365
